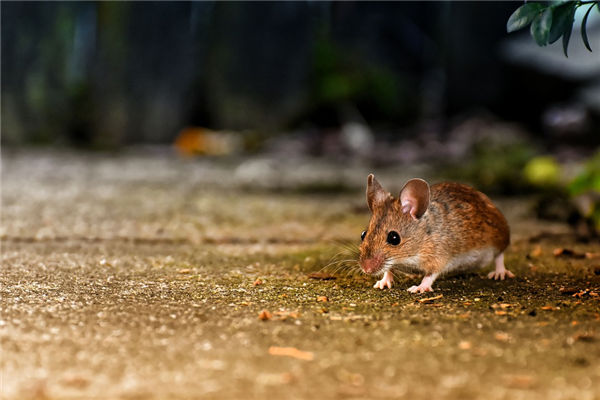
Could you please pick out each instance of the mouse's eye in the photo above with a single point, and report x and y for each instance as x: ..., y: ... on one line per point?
x: 393, y: 238
x: 362, y: 235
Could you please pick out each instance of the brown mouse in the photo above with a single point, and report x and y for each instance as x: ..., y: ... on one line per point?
x: 431, y: 230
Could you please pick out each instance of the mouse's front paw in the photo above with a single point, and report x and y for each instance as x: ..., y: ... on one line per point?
x: 500, y: 275
x: 420, y: 289
x: 425, y: 285
x: 386, y: 281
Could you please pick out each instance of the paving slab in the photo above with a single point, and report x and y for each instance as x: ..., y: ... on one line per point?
x: 141, y: 275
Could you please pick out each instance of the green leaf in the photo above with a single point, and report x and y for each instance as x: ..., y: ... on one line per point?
x: 540, y: 27
x: 566, y: 37
x: 562, y: 20
x: 561, y: 2
x: 583, y: 28
x: 523, y: 16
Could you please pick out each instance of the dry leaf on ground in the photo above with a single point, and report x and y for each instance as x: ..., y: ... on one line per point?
x: 536, y: 252
x: 264, y: 315
x: 283, y: 315
x: 550, y: 308
x: 519, y: 381
x: 584, y: 337
x: 562, y: 252
x: 502, y: 337
x: 322, y: 276
x: 568, y: 290
x: 464, y: 345
x: 291, y: 352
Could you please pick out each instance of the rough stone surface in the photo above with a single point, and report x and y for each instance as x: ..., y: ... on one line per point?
x: 142, y: 276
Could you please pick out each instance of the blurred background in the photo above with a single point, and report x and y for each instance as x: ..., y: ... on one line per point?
x: 177, y: 174
x: 439, y: 84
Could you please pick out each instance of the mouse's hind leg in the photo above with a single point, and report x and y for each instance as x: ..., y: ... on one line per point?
x: 501, y: 272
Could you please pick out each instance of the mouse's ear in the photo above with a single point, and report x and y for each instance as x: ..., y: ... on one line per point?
x: 414, y: 197
x: 375, y: 193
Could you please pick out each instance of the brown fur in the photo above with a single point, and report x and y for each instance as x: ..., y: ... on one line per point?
x: 458, y: 219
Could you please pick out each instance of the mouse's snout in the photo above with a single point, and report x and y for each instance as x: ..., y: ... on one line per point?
x: 372, y: 265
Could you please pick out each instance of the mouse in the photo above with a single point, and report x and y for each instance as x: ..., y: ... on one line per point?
x: 431, y: 231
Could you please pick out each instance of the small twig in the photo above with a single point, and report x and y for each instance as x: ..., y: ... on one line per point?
x: 430, y: 299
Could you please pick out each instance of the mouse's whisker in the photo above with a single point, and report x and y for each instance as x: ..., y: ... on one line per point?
x: 345, y: 261
x: 347, y: 243
x: 338, y: 269
x: 335, y: 270
x: 348, y: 268
x: 354, y: 270
x: 336, y: 256
x: 352, y: 252
x: 324, y: 268
x: 332, y: 269
x: 343, y: 252
x: 349, y: 246
x: 395, y: 275
x: 335, y: 261
x: 340, y: 262
x: 351, y: 273
x: 339, y: 265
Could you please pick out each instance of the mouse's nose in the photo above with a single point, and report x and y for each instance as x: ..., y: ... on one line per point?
x: 372, y: 265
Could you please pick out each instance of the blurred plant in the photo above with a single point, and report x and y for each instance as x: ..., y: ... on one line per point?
x: 549, y: 21
x: 542, y: 171
x: 589, y: 179
x: 575, y: 200
x: 585, y: 190
x: 341, y: 77
x: 495, y: 167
